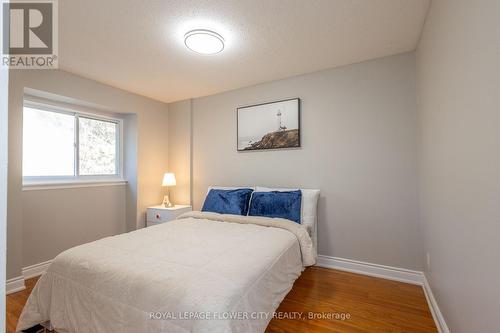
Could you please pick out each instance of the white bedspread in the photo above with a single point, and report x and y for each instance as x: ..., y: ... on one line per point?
x: 170, y: 277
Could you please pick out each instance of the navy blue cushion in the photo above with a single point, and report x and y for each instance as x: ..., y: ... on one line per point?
x: 228, y: 201
x: 284, y: 204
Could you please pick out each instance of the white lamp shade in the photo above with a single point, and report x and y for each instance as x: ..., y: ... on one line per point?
x: 169, y: 179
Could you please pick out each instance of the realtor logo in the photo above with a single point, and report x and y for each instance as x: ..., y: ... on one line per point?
x: 29, y: 38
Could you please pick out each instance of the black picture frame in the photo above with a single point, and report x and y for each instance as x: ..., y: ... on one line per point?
x: 294, y: 141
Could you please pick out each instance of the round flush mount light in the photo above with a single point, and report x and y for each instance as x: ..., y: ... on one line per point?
x: 204, y: 41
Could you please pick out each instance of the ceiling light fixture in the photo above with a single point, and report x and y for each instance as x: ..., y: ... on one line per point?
x: 204, y: 41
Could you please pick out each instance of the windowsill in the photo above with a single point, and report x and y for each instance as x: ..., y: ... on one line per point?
x: 63, y: 184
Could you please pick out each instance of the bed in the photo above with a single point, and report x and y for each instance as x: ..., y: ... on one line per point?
x: 204, y: 272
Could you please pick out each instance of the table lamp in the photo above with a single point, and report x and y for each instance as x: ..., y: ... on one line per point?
x: 168, y: 180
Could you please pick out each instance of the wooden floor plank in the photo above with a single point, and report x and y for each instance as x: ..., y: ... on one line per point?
x: 373, y: 304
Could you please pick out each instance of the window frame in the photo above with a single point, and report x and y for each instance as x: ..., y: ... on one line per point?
x: 77, y: 112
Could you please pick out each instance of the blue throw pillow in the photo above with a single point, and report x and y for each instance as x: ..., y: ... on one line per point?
x: 284, y: 204
x: 228, y: 201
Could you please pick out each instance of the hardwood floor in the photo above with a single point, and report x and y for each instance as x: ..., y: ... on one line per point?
x: 15, y: 304
x: 350, y: 302
x: 374, y: 305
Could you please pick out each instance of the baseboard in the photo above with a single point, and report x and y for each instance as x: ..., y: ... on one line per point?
x: 389, y: 273
x: 436, y: 313
x: 36, y: 269
x: 17, y: 284
x: 375, y: 270
x: 14, y: 285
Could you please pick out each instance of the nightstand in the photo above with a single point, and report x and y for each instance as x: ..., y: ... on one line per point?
x: 161, y: 214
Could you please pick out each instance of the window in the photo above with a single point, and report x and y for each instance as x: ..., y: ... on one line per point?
x: 97, y: 141
x: 48, y: 143
x: 67, y: 145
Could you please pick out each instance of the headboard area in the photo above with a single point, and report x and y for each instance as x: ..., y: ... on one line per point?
x: 309, y: 207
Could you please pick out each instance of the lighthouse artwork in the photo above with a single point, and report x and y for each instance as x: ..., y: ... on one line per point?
x: 280, y: 125
x: 273, y: 125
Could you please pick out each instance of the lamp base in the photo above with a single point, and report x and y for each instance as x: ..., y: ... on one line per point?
x: 167, y: 203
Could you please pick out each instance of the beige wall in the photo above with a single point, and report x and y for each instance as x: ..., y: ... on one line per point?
x: 179, y: 150
x: 56, y: 220
x: 359, y: 147
x: 458, y: 62
x: 103, y: 209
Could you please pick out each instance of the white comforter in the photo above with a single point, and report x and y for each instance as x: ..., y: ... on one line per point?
x: 173, y: 277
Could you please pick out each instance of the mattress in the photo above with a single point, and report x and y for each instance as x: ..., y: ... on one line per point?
x: 201, y: 273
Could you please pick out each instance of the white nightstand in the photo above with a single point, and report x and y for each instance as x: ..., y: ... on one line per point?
x: 161, y: 214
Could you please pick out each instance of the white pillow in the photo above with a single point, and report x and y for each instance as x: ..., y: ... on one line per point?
x: 228, y: 188
x: 309, y: 209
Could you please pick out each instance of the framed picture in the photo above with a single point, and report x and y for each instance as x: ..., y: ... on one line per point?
x: 274, y: 125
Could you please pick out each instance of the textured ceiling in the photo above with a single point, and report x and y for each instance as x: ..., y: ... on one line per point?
x: 138, y: 45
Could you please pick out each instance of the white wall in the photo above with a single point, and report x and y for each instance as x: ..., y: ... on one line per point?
x: 458, y: 70
x: 359, y: 147
x: 43, y: 223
